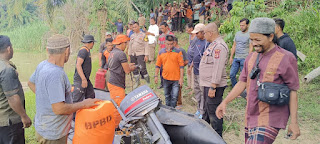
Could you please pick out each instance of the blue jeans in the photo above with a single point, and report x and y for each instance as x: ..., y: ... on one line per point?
x: 236, y: 64
x: 171, y: 92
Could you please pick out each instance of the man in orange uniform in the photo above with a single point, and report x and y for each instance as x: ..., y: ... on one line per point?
x: 118, y: 67
x: 172, y: 64
x: 104, y: 59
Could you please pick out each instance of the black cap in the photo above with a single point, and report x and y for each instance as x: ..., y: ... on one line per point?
x: 88, y: 39
x: 4, y: 42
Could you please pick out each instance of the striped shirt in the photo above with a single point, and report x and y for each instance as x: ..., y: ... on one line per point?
x: 277, y: 66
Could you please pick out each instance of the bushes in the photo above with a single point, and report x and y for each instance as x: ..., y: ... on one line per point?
x: 28, y: 37
x: 303, y: 25
x: 241, y: 10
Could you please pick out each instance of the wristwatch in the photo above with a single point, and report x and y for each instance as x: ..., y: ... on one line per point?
x: 213, y: 88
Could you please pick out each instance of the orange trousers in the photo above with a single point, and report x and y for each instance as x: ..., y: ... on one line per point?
x: 117, y: 94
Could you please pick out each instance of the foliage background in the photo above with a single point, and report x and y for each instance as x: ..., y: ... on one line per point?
x: 30, y: 22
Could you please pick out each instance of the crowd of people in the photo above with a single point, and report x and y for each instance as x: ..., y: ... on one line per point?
x: 261, y: 51
x: 178, y: 15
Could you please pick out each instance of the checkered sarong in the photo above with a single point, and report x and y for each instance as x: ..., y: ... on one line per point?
x: 261, y: 135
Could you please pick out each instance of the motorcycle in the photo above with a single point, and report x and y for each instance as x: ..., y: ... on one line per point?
x: 146, y: 121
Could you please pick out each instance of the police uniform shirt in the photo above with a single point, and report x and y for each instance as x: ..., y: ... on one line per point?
x: 213, y: 64
x: 137, y: 45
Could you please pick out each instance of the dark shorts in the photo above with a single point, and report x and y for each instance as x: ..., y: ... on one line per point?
x: 13, y: 134
x: 79, y: 93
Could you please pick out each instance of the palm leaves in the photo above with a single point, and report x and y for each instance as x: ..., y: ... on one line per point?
x: 50, y: 7
x: 16, y: 12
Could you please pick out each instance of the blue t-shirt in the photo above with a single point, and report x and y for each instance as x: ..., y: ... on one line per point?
x: 52, y: 86
x: 191, y: 49
x: 165, y: 17
x: 202, y: 9
x: 199, y: 48
x: 152, y: 15
x: 131, y: 32
x: 119, y: 27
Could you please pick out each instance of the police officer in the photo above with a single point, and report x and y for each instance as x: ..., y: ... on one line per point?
x: 213, y: 76
x: 138, y: 52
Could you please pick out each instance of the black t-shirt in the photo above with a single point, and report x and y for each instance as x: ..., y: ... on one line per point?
x: 219, y: 1
x: 117, y: 74
x: 84, y: 54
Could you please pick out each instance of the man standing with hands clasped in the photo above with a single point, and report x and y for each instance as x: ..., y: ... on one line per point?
x: 171, y: 60
x: 152, y: 33
x: 268, y: 65
x: 213, y: 75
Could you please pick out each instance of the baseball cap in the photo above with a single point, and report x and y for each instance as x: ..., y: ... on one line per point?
x: 108, y: 33
x: 132, y: 22
x: 4, y: 42
x: 121, y: 38
x: 199, y: 27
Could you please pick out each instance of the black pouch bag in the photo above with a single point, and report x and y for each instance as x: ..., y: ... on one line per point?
x: 271, y: 93
x: 274, y: 94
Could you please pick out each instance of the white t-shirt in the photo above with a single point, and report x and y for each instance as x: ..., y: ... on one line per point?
x: 196, y: 12
x: 155, y: 30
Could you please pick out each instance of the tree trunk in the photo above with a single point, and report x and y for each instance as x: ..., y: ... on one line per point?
x: 102, y: 16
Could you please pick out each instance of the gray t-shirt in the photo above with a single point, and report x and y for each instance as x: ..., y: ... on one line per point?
x: 102, y: 47
x: 242, y: 44
x: 184, y: 54
x: 52, y: 86
x: 117, y: 74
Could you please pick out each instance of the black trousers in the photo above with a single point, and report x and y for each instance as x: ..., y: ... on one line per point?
x: 229, y: 7
x: 13, y: 134
x: 179, y: 27
x: 210, y: 107
x: 161, y: 76
x: 79, y: 93
x: 175, y: 24
x: 139, y: 60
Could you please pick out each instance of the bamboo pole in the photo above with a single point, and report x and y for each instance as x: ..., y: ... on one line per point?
x: 301, y: 56
x: 312, y: 75
x: 135, y: 6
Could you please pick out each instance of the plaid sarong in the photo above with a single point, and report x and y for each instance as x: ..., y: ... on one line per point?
x: 261, y: 135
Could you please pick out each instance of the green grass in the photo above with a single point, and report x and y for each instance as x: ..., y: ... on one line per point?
x: 29, y: 37
x: 31, y: 111
x: 309, y: 100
